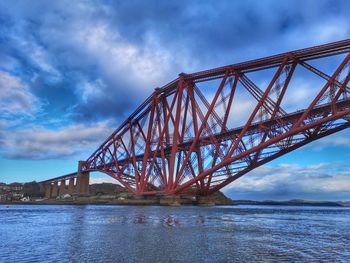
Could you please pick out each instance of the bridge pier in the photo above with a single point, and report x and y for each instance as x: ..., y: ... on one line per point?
x: 62, y: 189
x: 170, y: 200
x: 41, y: 188
x: 205, y: 200
x: 78, y: 186
x: 54, y: 192
x: 83, y: 183
x: 83, y: 180
x: 71, y: 186
x: 47, y: 190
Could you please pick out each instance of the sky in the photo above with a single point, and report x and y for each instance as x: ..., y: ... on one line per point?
x: 72, y: 71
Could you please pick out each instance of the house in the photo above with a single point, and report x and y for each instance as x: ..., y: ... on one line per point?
x: 25, y: 199
x: 16, y: 187
x: 4, y: 187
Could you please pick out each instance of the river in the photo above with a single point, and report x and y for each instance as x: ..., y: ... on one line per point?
x: 96, y: 233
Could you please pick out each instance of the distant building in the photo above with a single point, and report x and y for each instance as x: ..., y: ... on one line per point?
x: 17, y: 196
x: 4, y: 187
x: 18, y: 191
x: 5, y: 197
x: 16, y: 187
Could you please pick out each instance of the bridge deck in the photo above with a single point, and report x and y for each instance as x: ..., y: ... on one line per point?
x: 60, y: 178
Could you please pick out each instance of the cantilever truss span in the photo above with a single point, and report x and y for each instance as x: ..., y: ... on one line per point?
x: 204, y: 130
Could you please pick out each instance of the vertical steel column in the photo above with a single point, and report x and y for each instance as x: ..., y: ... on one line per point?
x: 176, y: 133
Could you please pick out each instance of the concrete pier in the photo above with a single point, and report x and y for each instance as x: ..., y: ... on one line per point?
x: 47, y: 190
x: 41, y: 188
x: 54, y: 192
x: 71, y: 186
x: 62, y: 189
x: 170, y: 200
x: 83, y: 183
x: 86, y: 182
x: 79, y: 184
x: 83, y: 180
x: 205, y: 200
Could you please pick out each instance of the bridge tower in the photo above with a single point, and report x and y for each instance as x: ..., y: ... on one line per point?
x: 83, y: 180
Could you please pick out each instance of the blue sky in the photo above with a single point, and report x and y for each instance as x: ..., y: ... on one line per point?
x: 71, y: 71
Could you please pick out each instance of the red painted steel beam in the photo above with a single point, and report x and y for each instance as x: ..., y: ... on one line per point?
x: 306, y: 54
x: 254, y: 128
x: 263, y: 145
x: 179, y: 141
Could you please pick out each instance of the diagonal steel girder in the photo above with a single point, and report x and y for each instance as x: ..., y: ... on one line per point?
x: 178, y: 140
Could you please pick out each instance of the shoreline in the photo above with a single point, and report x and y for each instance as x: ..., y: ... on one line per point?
x: 109, y: 203
x: 135, y: 202
x: 174, y: 201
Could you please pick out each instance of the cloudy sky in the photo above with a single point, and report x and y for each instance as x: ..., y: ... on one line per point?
x: 71, y: 71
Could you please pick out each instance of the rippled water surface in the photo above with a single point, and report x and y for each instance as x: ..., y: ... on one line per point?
x: 173, y: 234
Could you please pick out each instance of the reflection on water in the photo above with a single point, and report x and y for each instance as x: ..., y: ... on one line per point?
x: 170, y: 220
x: 140, y: 219
x: 173, y: 234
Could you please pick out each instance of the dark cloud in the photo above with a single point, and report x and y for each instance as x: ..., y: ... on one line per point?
x: 134, y: 46
x: 85, y: 61
x: 37, y: 143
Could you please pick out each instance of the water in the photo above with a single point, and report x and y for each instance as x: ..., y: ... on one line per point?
x: 91, y: 233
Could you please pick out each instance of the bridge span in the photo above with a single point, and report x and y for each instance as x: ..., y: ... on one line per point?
x: 204, y: 130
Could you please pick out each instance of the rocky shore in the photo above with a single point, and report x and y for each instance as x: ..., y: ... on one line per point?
x: 218, y: 199
x: 113, y: 194
x: 104, y: 193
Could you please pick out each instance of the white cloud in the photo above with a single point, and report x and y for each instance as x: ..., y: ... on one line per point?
x: 15, y: 97
x: 42, y: 60
x: 340, y: 139
x: 105, y: 179
x: 319, y: 31
x: 42, y: 143
x: 328, y: 31
x: 119, y: 61
x: 320, y: 178
x: 90, y: 90
x: 116, y: 54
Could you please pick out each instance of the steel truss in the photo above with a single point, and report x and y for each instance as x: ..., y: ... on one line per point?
x: 183, y: 140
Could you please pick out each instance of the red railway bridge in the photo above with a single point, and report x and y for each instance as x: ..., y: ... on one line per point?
x: 204, y: 130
